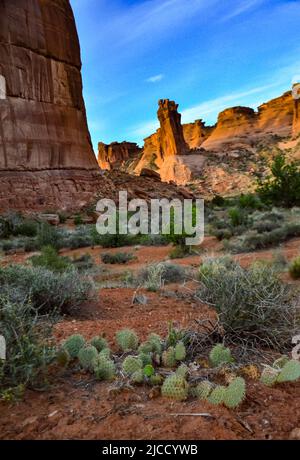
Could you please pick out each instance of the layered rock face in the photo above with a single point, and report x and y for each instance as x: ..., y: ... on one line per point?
x: 171, y: 132
x: 43, y: 127
x: 296, y: 120
x: 117, y: 155
x: 241, y: 127
x: 196, y: 133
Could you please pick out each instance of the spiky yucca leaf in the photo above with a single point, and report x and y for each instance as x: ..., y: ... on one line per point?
x: 175, y: 387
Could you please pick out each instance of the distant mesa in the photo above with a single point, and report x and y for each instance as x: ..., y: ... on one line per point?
x: 117, y: 155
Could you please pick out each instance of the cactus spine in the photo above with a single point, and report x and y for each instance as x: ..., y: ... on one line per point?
x: 180, y: 351
x: 104, y: 368
x: 217, y: 395
x: 269, y: 376
x: 290, y: 372
x: 168, y: 357
x: 100, y: 343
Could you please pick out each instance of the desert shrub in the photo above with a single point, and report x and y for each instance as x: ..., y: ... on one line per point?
x: 222, y: 233
x: 250, y: 201
x: 237, y: 217
x: 265, y: 226
x: 49, y: 236
x: 152, y: 240
x: 62, y: 217
x: 178, y: 252
x: 218, y: 201
x: 26, y: 228
x: 84, y: 262
x: 117, y: 258
x: 254, y: 305
x: 78, y: 219
x: 50, y: 259
x: 154, y: 276
x: 294, y: 268
x: 48, y: 291
x: 29, y: 350
x: 81, y: 237
x: 283, y: 185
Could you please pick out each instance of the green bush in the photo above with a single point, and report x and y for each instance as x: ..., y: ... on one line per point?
x: 78, y: 220
x: 29, y: 350
x: 51, y: 260
x: 254, y: 305
x: 237, y: 217
x: 49, y: 236
x: 154, y: 276
x: 250, y: 201
x: 26, y: 228
x: 117, y: 258
x: 294, y: 268
x: 283, y: 185
x: 48, y: 291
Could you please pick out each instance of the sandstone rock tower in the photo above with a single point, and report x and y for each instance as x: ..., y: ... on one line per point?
x: 296, y: 121
x: 46, y: 156
x: 171, y: 132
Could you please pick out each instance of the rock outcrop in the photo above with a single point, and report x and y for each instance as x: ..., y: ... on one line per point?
x: 296, y: 120
x: 196, y: 133
x: 241, y: 128
x: 171, y: 137
x: 117, y: 155
x: 46, y: 156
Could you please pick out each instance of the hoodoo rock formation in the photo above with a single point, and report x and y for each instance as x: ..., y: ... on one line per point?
x: 171, y: 132
x: 117, y: 155
x: 296, y: 120
x: 46, y: 156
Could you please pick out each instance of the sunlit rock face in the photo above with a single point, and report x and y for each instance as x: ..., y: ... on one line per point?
x: 296, y: 119
x: 117, y: 155
x: 43, y: 127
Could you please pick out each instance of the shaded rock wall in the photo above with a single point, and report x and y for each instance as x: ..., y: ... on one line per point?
x: 43, y: 123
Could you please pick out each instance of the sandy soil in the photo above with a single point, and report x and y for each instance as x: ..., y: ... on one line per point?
x: 78, y: 407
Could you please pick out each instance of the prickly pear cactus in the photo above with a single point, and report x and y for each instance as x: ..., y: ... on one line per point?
x: 235, y: 393
x: 100, y: 343
x: 182, y: 370
x: 73, y: 345
x: 290, y: 372
x: 131, y: 364
x: 145, y: 358
x: 203, y: 389
x: 175, y: 387
x: 127, y: 340
x: 87, y: 356
x: 63, y: 358
x: 156, y: 380
x: 104, y: 368
x: 137, y: 377
x: 105, y: 352
x: 149, y: 370
x: 152, y: 345
x: 180, y: 351
x: 220, y: 355
x: 168, y: 357
x: 217, y: 395
x: 269, y: 376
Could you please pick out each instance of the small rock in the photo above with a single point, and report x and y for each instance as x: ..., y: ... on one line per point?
x: 295, y: 434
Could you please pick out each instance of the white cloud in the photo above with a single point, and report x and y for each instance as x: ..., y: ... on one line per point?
x: 245, y: 6
x: 155, y: 78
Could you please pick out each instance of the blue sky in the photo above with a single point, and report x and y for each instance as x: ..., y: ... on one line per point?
x: 206, y: 55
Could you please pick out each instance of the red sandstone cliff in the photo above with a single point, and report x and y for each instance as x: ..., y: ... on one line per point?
x: 46, y: 157
x: 117, y: 155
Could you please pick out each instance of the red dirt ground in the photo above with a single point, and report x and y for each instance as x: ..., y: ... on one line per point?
x: 77, y: 407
